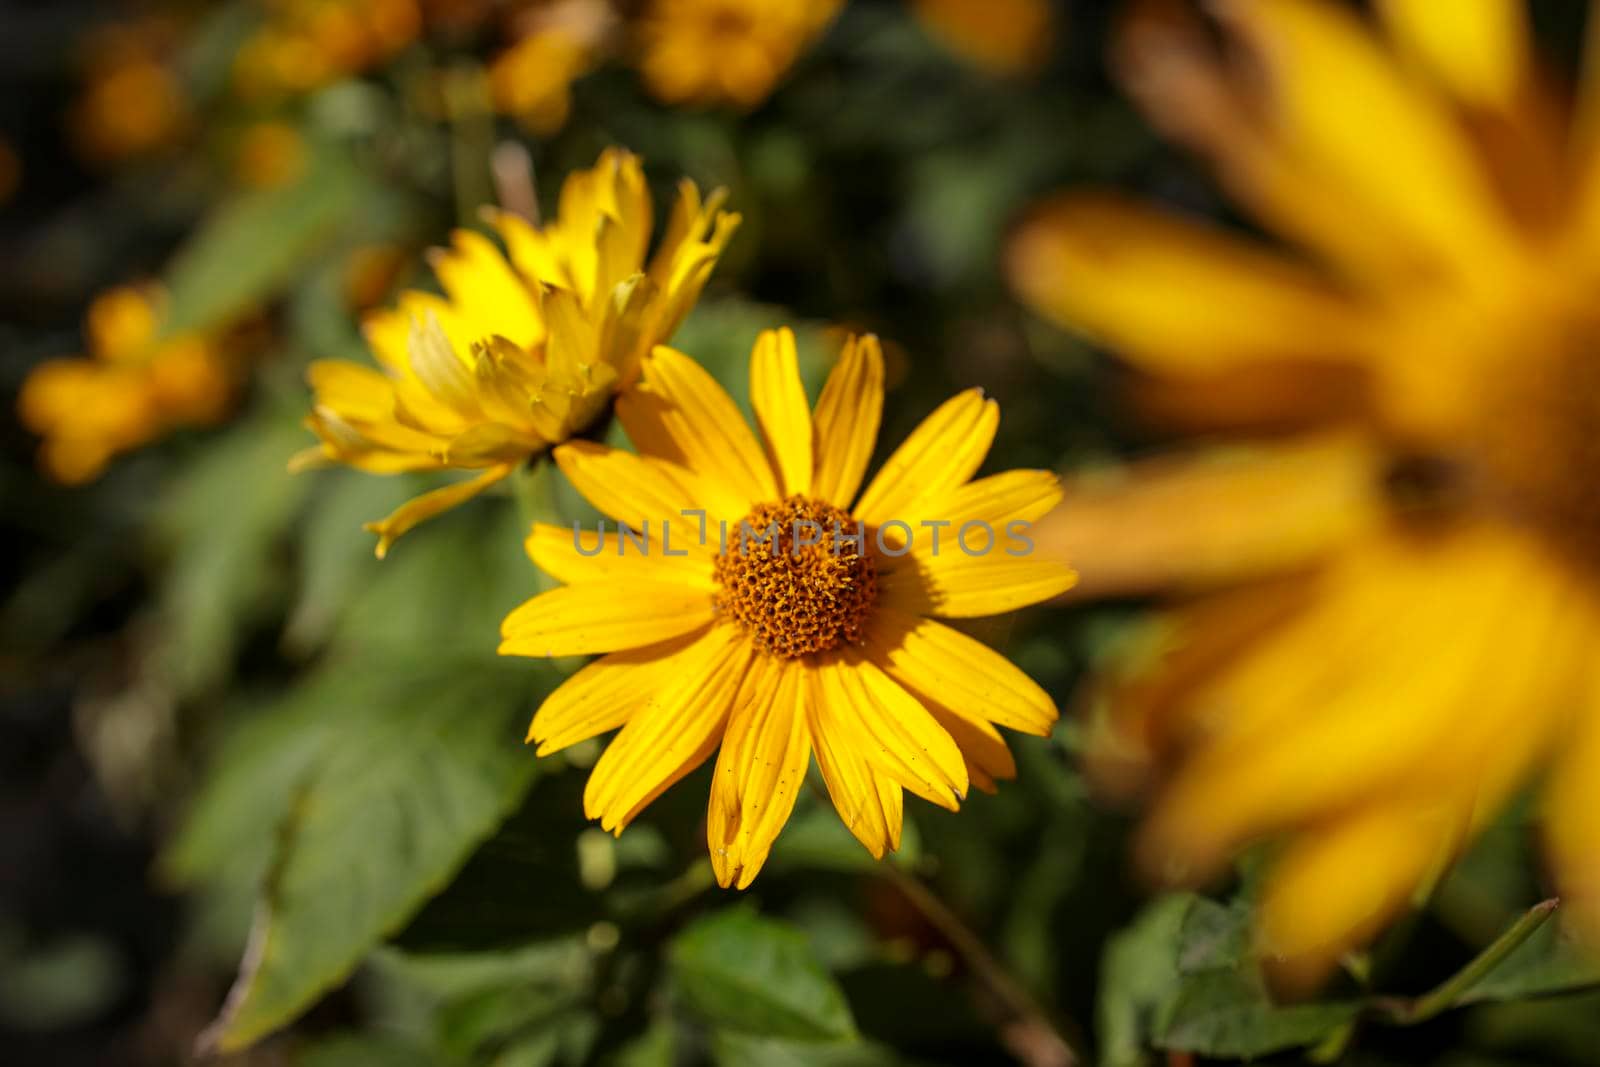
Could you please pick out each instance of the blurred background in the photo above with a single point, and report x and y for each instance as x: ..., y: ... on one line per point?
x: 220, y: 714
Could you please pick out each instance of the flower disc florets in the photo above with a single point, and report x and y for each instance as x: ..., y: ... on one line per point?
x: 796, y: 575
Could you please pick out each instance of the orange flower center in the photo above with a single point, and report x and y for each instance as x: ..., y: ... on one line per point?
x: 796, y: 576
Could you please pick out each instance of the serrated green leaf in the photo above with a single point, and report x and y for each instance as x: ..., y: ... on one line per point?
x: 1138, y: 981
x: 419, y: 770
x: 740, y: 971
x: 1226, y: 1013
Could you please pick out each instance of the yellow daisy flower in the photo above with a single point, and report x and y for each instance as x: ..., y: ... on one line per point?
x: 134, y: 386
x: 708, y: 52
x: 1426, y: 646
x: 820, y: 639
x: 523, y: 349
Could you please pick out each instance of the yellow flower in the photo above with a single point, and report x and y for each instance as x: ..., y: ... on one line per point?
x: 725, y: 51
x: 133, y: 101
x: 270, y: 154
x: 1426, y: 644
x: 558, y: 43
x: 820, y: 640
x: 522, y: 350
x: 305, y: 44
x: 135, y: 386
x: 1005, y: 36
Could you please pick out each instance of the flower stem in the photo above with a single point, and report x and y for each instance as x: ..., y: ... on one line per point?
x: 1029, y: 1033
x: 1446, y: 995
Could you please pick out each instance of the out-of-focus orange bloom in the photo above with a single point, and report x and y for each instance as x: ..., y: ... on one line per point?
x: 557, y: 43
x: 132, y: 101
x: 725, y: 51
x: 133, y: 386
x: 305, y: 44
x: 1005, y: 36
x: 1399, y: 604
x: 270, y: 154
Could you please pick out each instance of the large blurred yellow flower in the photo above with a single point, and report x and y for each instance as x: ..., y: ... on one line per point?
x: 520, y: 351
x: 822, y: 638
x: 134, y: 386
x: 1427, y: 643
x: 725, y: 51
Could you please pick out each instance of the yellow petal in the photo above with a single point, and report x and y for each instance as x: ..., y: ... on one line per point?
x: 633, y: 490
x: 941, y: 453
x: 1200, y: 521
x: 608, y: 692
x: 779, y: 399
x: 706, y: 428
x: 852, y: 780
x: 590, y: 556
x: 577, y: 620
x: 846, y: 420
x: 1479, y: 51
x: 760, y: 771
x: 1338, y: 885
x: 391, y: 528
x: 1007, y: 504
x: 894, y: 731
x: 1295, y: 733
x: 1389, y: 152
x: 961, y: 673
x: 1172, y: 295
x: 680, y: 724
x: 958, y: 586
x: 1572, y: 814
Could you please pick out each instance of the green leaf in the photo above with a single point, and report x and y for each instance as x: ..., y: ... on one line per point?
x: 1183, y: 978
x: 1227, y: 1013
x: 221, y: 528
x: 1138, y: 981
x: 255, y: 243
x: 740, y: 971
x: 422, y: 763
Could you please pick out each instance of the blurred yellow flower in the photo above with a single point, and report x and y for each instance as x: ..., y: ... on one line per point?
x: 1005, y: 36
x: 522, y: 350
x: 725, y: 51
x: 557, y: 42
x: 773, y: 618
x: 134, y: 386
x: 305, y: 44
x: 270, y: 154
x: 132, y: 101
x: 1425, y: 645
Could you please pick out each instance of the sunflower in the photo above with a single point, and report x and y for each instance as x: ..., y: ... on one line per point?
x: 136, y: 384
x: 1394, y: 576
x: 520, y: 351
x: 780, y: 613
x: 725, y: 51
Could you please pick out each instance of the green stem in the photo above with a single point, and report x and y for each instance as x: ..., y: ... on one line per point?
x: 1029, y: 1034
x: 1450, y: 992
